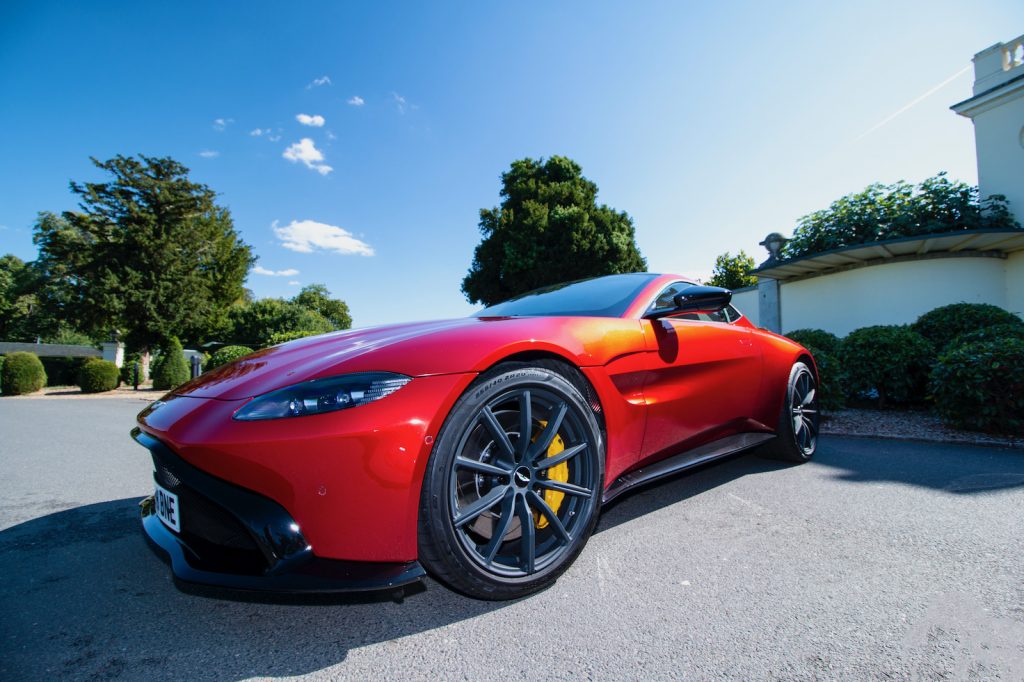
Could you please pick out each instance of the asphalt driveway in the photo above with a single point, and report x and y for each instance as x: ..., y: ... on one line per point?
x: 881, y: 559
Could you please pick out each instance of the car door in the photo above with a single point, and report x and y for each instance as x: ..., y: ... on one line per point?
x: 703, y: 378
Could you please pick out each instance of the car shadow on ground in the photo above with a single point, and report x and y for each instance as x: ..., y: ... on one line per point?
x: 83, y: 596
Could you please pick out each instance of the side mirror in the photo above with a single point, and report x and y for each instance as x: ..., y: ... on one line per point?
x: 695, y: 299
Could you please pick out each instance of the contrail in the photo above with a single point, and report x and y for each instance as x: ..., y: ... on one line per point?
x: 912, y: 103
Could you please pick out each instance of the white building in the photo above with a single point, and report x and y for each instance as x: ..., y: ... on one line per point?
x: 896, y: 281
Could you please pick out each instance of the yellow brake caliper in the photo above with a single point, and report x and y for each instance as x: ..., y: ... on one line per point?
x: 559, y: 472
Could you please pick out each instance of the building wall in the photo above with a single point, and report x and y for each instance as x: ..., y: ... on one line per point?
x: 999, y: 135
x: 1015, y: 283
x: 745, y: 300
x: 898, y: 293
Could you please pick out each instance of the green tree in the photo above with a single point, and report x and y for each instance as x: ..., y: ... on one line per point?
x: 150, y: 254
x: 899, y: 210
x: 548, y: 229
x: 256, y: 323
x: 317, y: 298
x: 172, y: 370
x: 733, y: 272
x: 22, y: 315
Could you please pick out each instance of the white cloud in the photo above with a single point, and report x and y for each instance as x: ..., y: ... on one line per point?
x: 305, y: 236
x: 356, y: 101
x: 209, y: 154
x: 260, y: 270
x: 259, y: 132
x: 331, y: 135
x: 220, y: 124
x: 317, y: 82
x: 305, y: 151
x: 399, y: 102
x: 294, y: 283
x: 317, y: 121
x: 274, y: 138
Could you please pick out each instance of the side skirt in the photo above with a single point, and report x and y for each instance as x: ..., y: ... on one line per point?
x: 684, y: 460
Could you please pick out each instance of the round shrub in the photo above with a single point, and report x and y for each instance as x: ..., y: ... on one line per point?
x: 942, y: 325
x: 980, y: 386
x: 890, y: 360
x: 22, y: 373
x: 97, y: 376
x: 172, y: 369
x: 831, y: 379
x: 227, y: 354
x: 816, y: 338
x: 996, y: 332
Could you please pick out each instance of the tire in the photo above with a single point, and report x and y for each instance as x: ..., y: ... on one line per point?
x: 501, y: 516
x: 797, y: 432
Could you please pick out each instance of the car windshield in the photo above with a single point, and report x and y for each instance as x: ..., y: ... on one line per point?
x: 599, y: 297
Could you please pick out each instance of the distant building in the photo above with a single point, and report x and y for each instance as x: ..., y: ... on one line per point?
x: 895, y: 281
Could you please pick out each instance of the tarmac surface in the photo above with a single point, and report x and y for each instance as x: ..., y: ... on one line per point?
x: 878, y: 560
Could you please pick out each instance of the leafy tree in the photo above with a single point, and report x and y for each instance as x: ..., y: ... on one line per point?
x: 899, y: 210
x: 22, y: 315
x: 256, y: 324
x: 733, y: 272
x: 548, y: 229
x: 150, y: 254
x: 317, y: 298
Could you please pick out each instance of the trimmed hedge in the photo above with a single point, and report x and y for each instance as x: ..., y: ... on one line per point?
x: 285, y: 337
x: 22, y: 373
x: 227, y: 354
x: 942, y: 325
x: 172, y: 369
x: 996, y: 332
x: 980, y: 386
x: 816, y: 338
x: 892, y: 360
x: 98, y: 376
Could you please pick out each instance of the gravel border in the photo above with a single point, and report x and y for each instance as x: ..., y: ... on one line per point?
x: 908, y: 425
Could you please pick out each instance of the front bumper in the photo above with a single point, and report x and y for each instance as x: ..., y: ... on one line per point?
x: 239, y: 539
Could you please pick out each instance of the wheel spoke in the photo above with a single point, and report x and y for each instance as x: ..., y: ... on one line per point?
x: 798, y: 424
x: 548, y: 434
x: 479, y: 506
x: 567, y: 488
x: 563, y: 456
x: 528, y: 540
x: 808, y: 399
x: 556, y: 524
x: 501, y: 529
x: 497, y: 432
x: 481, y: 467
x: 525, y: 424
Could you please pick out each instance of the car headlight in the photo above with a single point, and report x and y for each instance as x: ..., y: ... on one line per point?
x: 323, y: 395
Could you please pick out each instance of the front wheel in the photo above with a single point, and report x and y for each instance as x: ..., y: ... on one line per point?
x: 797, y: 433
x: 513, y: 488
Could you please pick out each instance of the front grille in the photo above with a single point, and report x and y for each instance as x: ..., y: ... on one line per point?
x: 218, y: 540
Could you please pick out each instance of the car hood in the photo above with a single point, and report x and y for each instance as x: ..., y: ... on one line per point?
x: 309, y: 358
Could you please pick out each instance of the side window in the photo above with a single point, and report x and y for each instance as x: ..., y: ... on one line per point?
x: 665, y: 298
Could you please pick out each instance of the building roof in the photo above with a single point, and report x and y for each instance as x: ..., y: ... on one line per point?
x: 963, y: 242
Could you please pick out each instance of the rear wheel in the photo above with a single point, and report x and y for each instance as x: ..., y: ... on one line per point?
x: 797, y: 434
x: 513, y: 487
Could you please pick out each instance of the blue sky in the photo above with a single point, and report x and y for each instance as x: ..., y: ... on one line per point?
x: 711, y: 124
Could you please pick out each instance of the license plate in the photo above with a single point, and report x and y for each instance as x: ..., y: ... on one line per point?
x: 167, y: 509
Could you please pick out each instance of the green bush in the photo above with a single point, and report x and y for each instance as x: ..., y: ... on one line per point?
x: 22, y: 373
x: 63, y: 371
x: 890, y: 360
x: 97, y: 376
x: 172, y: 369
x: 284, y: 337
x: 942, y: 325
x: 227, y: 354
x: 831, y: 380
x: 996, y: 332
x: 816, y: 338
x: 980, y: 386
x: 128, y: 369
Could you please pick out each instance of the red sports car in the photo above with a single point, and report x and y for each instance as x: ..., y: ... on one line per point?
x: 478, y: 449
